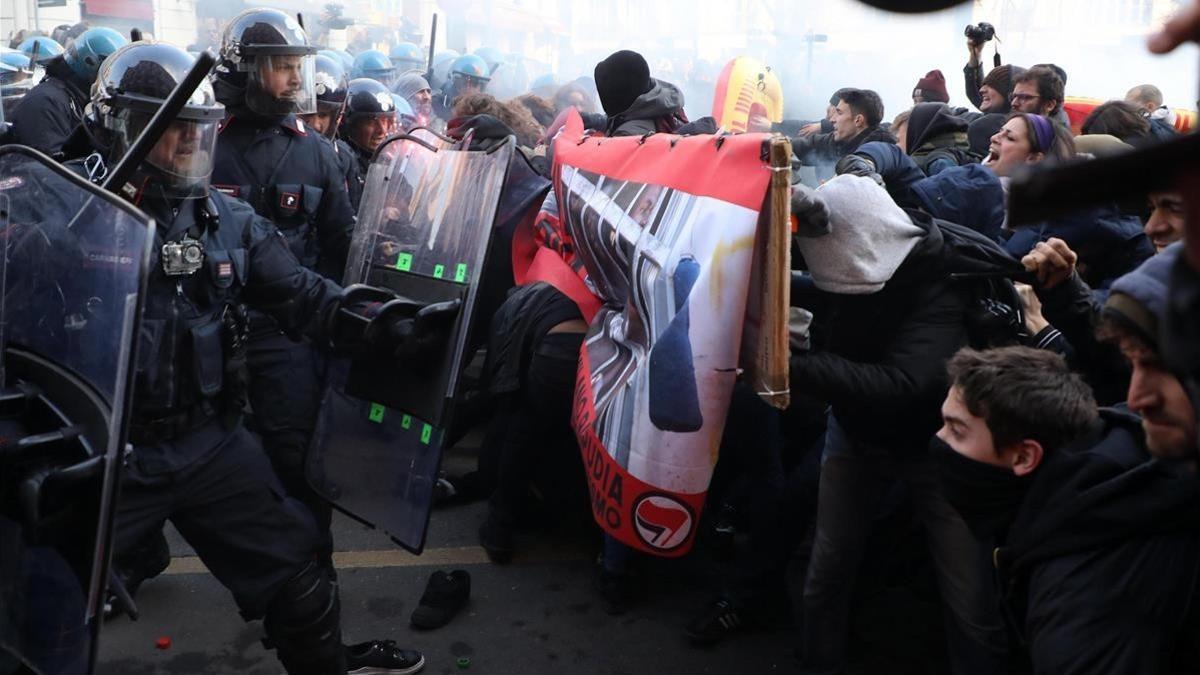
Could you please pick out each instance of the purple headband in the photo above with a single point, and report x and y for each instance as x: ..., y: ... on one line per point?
x: 1043, y: 130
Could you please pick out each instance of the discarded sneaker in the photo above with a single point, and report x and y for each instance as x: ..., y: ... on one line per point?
x: 719, y: 619
x: 444, y: 595
x: 382, y: 657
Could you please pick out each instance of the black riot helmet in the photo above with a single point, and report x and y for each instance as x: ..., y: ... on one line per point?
x: 133, y: 83
x: 331, y: 89
x: 266, y: 53
x: 370, y: 116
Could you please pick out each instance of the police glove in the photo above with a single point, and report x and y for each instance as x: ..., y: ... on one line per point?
x: 414, y: 339
x: 810, y: 212
x: 857, y: 165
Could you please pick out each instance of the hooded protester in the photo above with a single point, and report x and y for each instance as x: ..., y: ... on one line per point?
x: 896, y: 318
x: 936, y: 138
x: 980, y: 132
x: 636, y: 104
x: 1094, y: 516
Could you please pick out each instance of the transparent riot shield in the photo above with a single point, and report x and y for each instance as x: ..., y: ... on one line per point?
x: 426, y: 219
x: 72, y: 277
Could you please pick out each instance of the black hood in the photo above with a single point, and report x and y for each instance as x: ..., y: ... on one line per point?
x: 1098, y: 492
x: 929, y: 120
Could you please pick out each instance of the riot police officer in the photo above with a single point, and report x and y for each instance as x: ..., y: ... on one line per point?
x: 16, y: 79
x: 52, y: 110
x: 269, y: 158
x: 290, y: 175
x: 331, y: 88
x: 193, y: 461
x: 374, y: 64
x: 370, y: 117
x: 468, y: 75
x: 407, y: 57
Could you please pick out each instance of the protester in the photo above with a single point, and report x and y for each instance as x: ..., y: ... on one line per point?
x: 931, y: 89
x: 897, y: 318
x: 515, y: 117
x: 1148, y: 99
x: 1039, y: 91
x: 1083, y: 521
x: 856, y: 121
x: 935, y: 138
x: 1119, y: 119
x: 1109, y: 242
x: 542, y: 109
x: 413, y: 87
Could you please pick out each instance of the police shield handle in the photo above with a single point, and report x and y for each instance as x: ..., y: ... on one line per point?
x: 121, y: 173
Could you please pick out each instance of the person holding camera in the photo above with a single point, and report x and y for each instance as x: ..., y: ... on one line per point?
x: 991, y: 93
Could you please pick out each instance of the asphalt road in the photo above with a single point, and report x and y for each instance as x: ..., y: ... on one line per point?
x: 538, y: 614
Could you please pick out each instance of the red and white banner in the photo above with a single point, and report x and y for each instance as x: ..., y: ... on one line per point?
x: 657, y: 237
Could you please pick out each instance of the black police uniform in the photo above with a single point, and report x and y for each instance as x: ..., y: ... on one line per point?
x: 290, y: 176
x: 351, y: 168
x: 193, y: 461
x: 50, y: 111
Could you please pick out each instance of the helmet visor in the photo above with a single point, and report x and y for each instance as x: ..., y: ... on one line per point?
x: 282, y: 84
x: 183, y: 156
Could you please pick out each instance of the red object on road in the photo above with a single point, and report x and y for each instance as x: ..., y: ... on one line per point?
x: 163, y: 642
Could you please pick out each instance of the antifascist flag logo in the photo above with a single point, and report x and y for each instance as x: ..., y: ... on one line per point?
x: 662, y: 522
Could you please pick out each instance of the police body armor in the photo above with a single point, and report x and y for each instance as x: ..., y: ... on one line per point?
x: 279, y: 174
x: 192, y: 341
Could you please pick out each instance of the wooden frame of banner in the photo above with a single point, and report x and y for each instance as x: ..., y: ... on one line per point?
x: 765, y: 349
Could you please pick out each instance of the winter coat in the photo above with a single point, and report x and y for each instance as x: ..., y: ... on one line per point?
x: 826, y: 149
x: 51, y: 111
x: 884, y: 374
x: 969, y: 195
x: 1108, y: 242
x: 1074, y: 310
x: 1100, y: 566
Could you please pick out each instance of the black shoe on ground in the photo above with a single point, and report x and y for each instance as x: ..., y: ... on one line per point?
x: 718, y: 620
x: 444, y: 595
x: 496, y: 539
x: 382, y: 657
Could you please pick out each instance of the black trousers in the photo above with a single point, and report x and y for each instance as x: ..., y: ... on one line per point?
x: 285, y: 386
x: 530, y: 438
x: 232, y: 509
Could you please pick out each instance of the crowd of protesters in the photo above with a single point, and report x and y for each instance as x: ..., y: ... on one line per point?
x: 1035, y: 423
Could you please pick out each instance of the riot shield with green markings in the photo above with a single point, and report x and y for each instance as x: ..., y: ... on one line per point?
x: 426, y: 219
